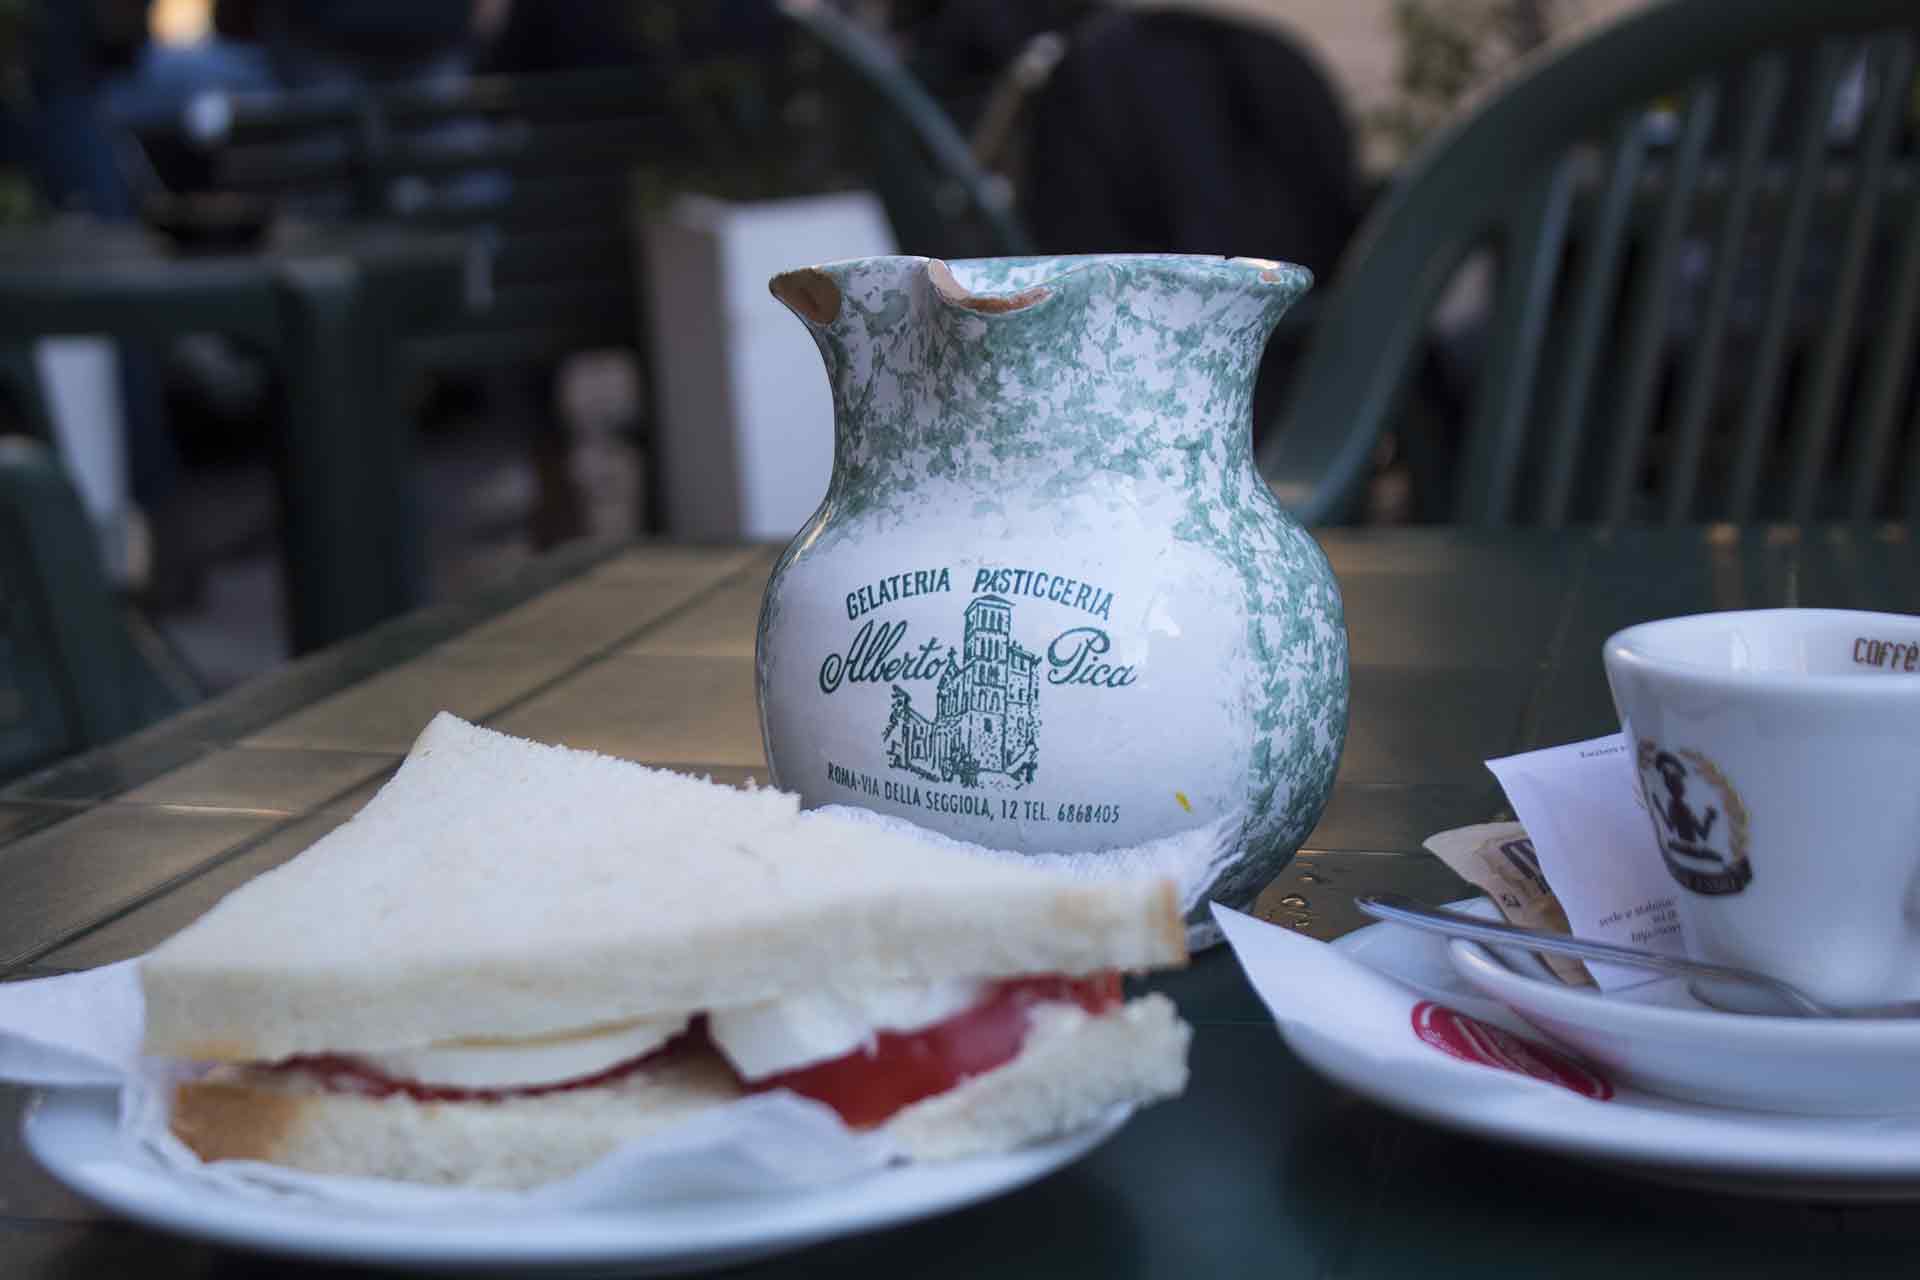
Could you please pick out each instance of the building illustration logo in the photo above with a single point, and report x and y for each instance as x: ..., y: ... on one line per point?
x: 985, y: 724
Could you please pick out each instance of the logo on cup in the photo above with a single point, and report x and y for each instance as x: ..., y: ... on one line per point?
x: 1698, y: 819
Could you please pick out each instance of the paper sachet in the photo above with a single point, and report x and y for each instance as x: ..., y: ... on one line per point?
x: 1581, y: 806
x: 1498, y: 859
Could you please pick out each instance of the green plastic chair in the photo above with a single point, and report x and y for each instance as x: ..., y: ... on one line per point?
x: 1713, y: 324
x: 77, y: 669
x: 938, y: 199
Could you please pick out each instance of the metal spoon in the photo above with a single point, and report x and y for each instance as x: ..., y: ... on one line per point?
x: 1404, y: 910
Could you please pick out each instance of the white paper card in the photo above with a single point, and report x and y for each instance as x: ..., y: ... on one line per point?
x: 1332, y: 1005
x: 1580, y: 804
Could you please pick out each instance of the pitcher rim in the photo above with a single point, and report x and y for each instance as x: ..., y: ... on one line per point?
x: 800, y: 288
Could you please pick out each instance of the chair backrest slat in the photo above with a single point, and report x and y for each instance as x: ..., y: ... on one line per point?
x: 1647, y: 324
x: 1895, y: 65
x: 1765, y: 84
x: 1592, y: 311
x: 1536, y: 237
x: 1764, y: 389
x: 1889, y: 377
x: 1722, y: 322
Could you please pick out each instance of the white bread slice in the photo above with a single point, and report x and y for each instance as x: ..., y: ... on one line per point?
x: 291, y: 1120
x: 498, y: 887
x: 1072, y: 1069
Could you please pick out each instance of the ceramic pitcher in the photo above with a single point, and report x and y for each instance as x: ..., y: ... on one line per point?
x: 1047, y: 602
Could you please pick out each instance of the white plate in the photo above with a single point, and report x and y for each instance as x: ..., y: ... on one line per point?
x: 1838, y: 1158
x: 1658, y: 1037
x: 74, y: 1133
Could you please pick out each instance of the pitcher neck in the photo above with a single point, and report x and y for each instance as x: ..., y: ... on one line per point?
x: 1142, y: 366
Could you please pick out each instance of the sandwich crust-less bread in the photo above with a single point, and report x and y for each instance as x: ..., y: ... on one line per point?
x: 503, y: 888
x: 504, y: 902
x: 289, y: 1119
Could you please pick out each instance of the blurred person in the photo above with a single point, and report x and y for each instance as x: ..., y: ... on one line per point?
x: 165, y: 75
x: 958, y: 46
x: 264, y: 45
x: 254, y: 46
x: 1199, y: 127
x: 561, y: 35
x: 1187, y: 129
x: 152, y: 94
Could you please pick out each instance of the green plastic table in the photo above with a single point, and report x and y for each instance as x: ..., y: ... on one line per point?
x: 1466, y: 644
x: 330, y: 306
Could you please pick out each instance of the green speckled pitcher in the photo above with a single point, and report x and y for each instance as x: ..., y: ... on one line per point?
x: 1047, y: 603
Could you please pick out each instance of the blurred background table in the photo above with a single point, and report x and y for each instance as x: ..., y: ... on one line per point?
x: 328, y: 305
x: 1466, y: 644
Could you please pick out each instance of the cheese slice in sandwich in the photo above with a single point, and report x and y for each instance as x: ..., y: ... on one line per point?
x: 518, y: 956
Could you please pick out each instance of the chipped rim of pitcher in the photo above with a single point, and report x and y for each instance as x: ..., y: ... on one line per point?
x: 800, y: 289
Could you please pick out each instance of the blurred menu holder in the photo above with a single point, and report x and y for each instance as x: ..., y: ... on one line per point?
x: 745, y: 441
x: 80, y: 377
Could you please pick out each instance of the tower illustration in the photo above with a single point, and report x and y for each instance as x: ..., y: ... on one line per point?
x: 985, y: 715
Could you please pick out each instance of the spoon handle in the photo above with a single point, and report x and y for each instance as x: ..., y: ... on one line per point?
x: 1404, y: 910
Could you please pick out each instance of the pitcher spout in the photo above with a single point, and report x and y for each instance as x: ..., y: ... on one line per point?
x: 820, y: 295
x: 851, y: 308
x: 809, y: 293
x: 1285, y: 282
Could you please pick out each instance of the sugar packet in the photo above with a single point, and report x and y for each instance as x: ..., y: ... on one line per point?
x: 1499, y: 860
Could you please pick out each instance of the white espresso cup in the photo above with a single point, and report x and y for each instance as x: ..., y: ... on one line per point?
x: 1778, y: 753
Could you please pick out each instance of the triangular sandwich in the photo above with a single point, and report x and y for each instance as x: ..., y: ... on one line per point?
x: 517, y: 956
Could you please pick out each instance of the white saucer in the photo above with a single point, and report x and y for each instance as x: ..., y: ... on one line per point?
x: 1658, y: 1037
x: 1852, y: 1159
x: 74, y: 1133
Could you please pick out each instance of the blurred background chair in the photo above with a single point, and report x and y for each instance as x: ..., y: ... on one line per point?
x: 543, y: 135
x: 536, y: 169
x: 77, y: 667
x: 1119, y: 130
x: 1706, y: 231
x: 939, y: 199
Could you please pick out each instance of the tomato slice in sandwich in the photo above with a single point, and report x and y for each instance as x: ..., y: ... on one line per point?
x: 899, y: 1068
